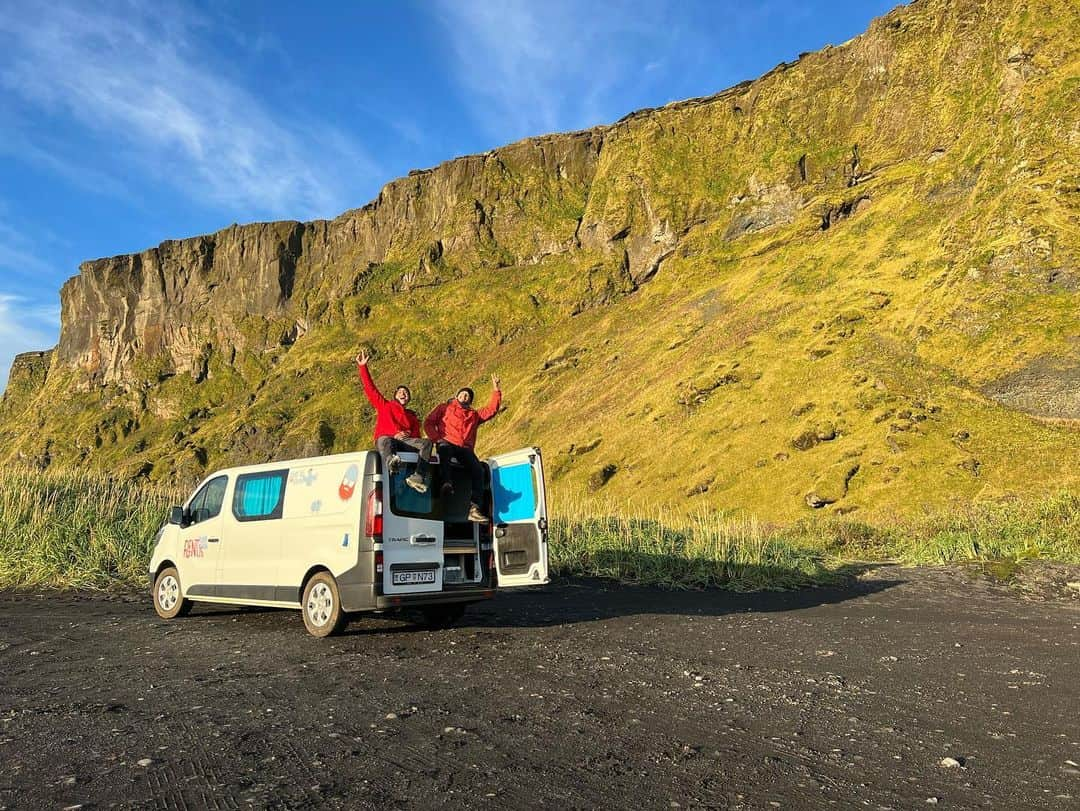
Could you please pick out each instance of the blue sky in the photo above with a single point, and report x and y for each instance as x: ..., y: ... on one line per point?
x: 126, y: 123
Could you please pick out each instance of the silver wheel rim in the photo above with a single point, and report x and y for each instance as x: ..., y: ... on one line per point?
x: 168, y: 592
x: 320, y: 604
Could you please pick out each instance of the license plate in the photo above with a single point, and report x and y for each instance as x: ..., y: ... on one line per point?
x: 412, y: 578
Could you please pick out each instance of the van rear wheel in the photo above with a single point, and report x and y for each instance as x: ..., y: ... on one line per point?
x: 321, y: 606
x: 169, y: 600
x: 443, y: 616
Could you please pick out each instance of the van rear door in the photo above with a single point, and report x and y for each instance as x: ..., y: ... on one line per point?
x: 412, y: 534
x: 519, y: 515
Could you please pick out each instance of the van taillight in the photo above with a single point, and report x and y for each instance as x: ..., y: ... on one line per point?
x: 378, y: 563
x: 373, y: 522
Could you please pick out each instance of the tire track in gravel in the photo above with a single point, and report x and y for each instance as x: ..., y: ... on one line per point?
x: 184, y: 777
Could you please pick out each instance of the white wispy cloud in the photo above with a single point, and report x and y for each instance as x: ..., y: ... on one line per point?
x: 26, y: 251
x: 531, y: 68
x: 139, y: 80
x: 24, y: 327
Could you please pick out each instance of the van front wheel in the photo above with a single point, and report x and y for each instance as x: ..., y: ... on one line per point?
x: 321, y: 606
x: 169, y: 600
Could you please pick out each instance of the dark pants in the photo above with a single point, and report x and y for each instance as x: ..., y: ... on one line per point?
x: 388, y: 445
x: 465, y: 457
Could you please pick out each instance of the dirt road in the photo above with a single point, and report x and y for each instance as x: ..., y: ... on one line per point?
x: 576, y: 695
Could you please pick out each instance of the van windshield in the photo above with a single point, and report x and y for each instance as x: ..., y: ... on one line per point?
x: 446, y: 499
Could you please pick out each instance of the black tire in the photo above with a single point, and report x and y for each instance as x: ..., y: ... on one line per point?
x: 321, y: 606
x: 442, y: 616
x: 169, y: 601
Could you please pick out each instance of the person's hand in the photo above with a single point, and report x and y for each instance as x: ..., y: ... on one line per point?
x: 362, y: 358
x: 401, y: 435
x: 495, y: 382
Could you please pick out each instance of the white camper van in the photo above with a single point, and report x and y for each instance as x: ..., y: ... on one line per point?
x: 334, y: 535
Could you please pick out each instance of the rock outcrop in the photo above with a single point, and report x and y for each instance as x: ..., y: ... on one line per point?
x: 253, y: 287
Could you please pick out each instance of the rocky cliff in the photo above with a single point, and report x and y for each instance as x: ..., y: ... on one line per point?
x: 851, y: 283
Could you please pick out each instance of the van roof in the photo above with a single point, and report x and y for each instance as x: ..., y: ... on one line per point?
x: 359, y: 457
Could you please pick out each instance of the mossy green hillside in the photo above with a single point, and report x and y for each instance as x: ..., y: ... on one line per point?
x: 796, y: 298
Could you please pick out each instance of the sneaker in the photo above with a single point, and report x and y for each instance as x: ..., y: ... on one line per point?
x: 476, y: 516
x: 393, y: 463
x: 416, y: 482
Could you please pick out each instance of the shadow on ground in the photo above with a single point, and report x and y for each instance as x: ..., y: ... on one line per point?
x: 570, y: 600
x: 577, y: 599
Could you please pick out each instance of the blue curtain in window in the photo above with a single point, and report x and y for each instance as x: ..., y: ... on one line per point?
x: 260, y: 495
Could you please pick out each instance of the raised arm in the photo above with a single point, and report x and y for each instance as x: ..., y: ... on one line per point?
x: 373, y: 394
x: 433, y: 422
x: 492, y: 407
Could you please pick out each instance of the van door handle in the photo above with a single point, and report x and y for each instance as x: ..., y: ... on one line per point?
x: 212, y: 540
x: 421, y: 539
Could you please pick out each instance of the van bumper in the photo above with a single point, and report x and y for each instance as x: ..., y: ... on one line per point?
x: 435, y: 598
x: 362, y: 597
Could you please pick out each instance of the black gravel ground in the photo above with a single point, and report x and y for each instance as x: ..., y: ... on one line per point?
x: 576, y: 695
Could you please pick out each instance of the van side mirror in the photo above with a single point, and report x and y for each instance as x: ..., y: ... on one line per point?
x: 176, y: 516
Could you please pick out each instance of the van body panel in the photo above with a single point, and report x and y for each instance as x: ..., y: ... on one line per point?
x: 249, y: 601
x: 322, y: 517
x: 357, y: 596
x: 227, y: 592
x: 250, y: 553
x: 199, y: 555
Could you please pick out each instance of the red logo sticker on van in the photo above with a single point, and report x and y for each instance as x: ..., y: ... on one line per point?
x: 348, y: 483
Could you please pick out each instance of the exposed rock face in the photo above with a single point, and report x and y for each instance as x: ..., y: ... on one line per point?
x: 174, y: 300
x: 251, y: 287
x: 27, y: 376
x: 1045, y: 387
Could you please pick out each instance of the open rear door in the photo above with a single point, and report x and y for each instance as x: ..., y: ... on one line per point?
x: 519, y: 515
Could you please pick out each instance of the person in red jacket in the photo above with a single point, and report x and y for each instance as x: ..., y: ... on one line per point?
x: 453, y: 426
x: 397, y: 428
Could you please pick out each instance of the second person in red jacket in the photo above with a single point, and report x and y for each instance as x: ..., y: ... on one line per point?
x: 453, y: 426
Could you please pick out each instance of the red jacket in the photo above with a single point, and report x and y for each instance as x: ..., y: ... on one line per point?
x: 452, y: 422
x: 390, y: 415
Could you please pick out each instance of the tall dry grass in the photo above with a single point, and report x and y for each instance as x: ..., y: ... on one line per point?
x: 628, y: 543
x: 76, y: 529
x: 658, y: 547
x: 1047, y: 529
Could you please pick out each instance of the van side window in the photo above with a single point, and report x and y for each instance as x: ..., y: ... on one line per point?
x: 207, y: 502
x: 259, y: 496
